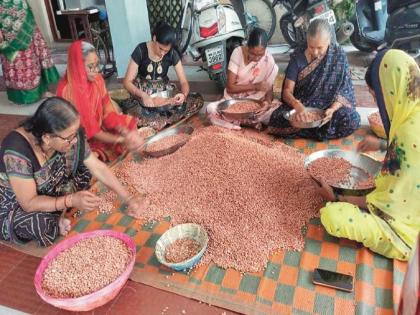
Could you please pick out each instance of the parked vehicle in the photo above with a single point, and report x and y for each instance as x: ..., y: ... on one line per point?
x: 295, y: 22
x: 382, y: 23
x: 210, y: 31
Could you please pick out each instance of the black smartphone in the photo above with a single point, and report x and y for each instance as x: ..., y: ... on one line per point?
x: 333, y: 279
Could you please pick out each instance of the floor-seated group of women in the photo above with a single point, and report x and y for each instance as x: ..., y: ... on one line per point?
x: 46, y: 164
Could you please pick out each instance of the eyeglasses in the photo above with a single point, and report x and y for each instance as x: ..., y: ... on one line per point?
x: 68, y: 139
x: 93, y: 67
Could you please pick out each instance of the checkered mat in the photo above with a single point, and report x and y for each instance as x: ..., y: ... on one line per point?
x: 285, y: 286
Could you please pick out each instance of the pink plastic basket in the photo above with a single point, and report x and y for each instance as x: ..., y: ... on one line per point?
x: 93, y: 300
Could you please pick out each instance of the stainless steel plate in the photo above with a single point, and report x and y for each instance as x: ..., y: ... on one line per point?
x: 237, y: 116
x: 362, y: 166
x: 304, y: 125
x: 163, y: 134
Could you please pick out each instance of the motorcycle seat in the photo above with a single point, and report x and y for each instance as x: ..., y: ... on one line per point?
x: 375, y: 36
x: 397, y: 4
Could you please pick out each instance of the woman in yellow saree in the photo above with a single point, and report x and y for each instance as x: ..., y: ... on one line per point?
x: 390, y: 219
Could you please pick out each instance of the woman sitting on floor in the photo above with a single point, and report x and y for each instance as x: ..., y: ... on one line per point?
x: 108, y: 131
x: 390, y: 221
x: 251, y: 74
x: 147, y: 73
x: 318, y: 76
x: 45, y: 168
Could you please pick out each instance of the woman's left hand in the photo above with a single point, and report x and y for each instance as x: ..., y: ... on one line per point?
x: 328, y: 115
x: 179, y: 98
x: 326, y: 191
x: 137, y: 205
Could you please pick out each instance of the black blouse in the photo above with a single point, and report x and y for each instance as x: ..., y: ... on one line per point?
x: 151, y: 70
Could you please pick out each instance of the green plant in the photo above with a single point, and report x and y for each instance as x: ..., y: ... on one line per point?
x: 344, y: 10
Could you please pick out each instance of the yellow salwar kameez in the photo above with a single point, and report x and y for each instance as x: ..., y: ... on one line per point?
x: 392, y: 221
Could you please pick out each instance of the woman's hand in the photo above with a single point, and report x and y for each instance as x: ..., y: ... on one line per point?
x: 326, y: 191
x: 85, y: 200
x: 179, y: 98
x: 147, y: 100
x: 136, y: 206
x: 132, y: 140
x: 369, y: 143
x: 328, y: 115
x: 262, y: 86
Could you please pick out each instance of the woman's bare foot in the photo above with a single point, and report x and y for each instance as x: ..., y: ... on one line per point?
x: 64, y: 226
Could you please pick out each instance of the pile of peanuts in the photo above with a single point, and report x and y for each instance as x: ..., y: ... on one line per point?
x: 242, y: 107
x: 162, y: 101
x: 181, y: 250
x: 252, y: 196
x: 167, y: 143
x: 87, y: 267
x: 309, y: 117
x: 332, y: 170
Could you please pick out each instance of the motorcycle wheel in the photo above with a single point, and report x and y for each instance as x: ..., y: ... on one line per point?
x: 288, y: 30
x: 358, y: 42
x: 184, y: 30
x: 261, y: 14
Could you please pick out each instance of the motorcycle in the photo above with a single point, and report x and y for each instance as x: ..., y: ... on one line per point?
x: 381, y: 23
x: 210, y: 31
x: 300, y: 13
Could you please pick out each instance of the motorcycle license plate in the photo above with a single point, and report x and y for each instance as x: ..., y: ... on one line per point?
x: 215, y: 55
x: 328, y: 15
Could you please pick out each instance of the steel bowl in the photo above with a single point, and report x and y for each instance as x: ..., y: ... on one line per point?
x: 304, y: 125
x: 163, y: 134
x: 362, y: 165
x: 222, y: 106
x: 170, y: 92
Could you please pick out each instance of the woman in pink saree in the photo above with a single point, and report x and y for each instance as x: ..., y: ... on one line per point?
x: 251, y: 74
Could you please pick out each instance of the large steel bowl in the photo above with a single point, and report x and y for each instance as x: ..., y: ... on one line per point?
x: 304, y: 125
x: 222, y: 106
x: 163, y: 134
x: 362, y: 165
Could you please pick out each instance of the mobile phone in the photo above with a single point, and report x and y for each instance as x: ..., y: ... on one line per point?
x: 333, y: 279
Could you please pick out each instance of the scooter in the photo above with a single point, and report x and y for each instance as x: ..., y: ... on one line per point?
x: 300, y: 13
x: 210, y: 31
x: 381, y: 23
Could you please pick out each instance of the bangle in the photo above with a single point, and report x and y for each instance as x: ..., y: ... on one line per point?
x: 70, y: 200
x: 55, y: 204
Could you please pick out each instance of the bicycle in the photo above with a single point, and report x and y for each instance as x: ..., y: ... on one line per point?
x: 101, y: 40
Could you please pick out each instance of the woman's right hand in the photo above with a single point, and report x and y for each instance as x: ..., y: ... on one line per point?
x: 262, y: 86
x: 147, y: 100
x: 85, y: 200
x: 369, y: 143
x: 132, y: 140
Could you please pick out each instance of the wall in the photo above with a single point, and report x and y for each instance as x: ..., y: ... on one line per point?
x: 41, y: 17
x: 129, y: 23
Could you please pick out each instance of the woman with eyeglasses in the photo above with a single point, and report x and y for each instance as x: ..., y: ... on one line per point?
x: 147, y: 73
x: 109, y: 132
x: 251, y: 74
x: 45, y: 168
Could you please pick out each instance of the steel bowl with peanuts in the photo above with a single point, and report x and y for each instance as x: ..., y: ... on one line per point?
x: 249, y: 111
x: 363, y: 166
x: 182, y: 231
x: 149, y: 149
x: 95, y: 299
x: 305, y: 124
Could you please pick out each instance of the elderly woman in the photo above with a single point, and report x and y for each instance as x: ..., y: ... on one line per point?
x: 387, y: 220
x: 26, y: 61
x: 147, y: 73
x: 108, y: 131
x: 317, y: 76
x: 251, y: 74
x: 45, y: 168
